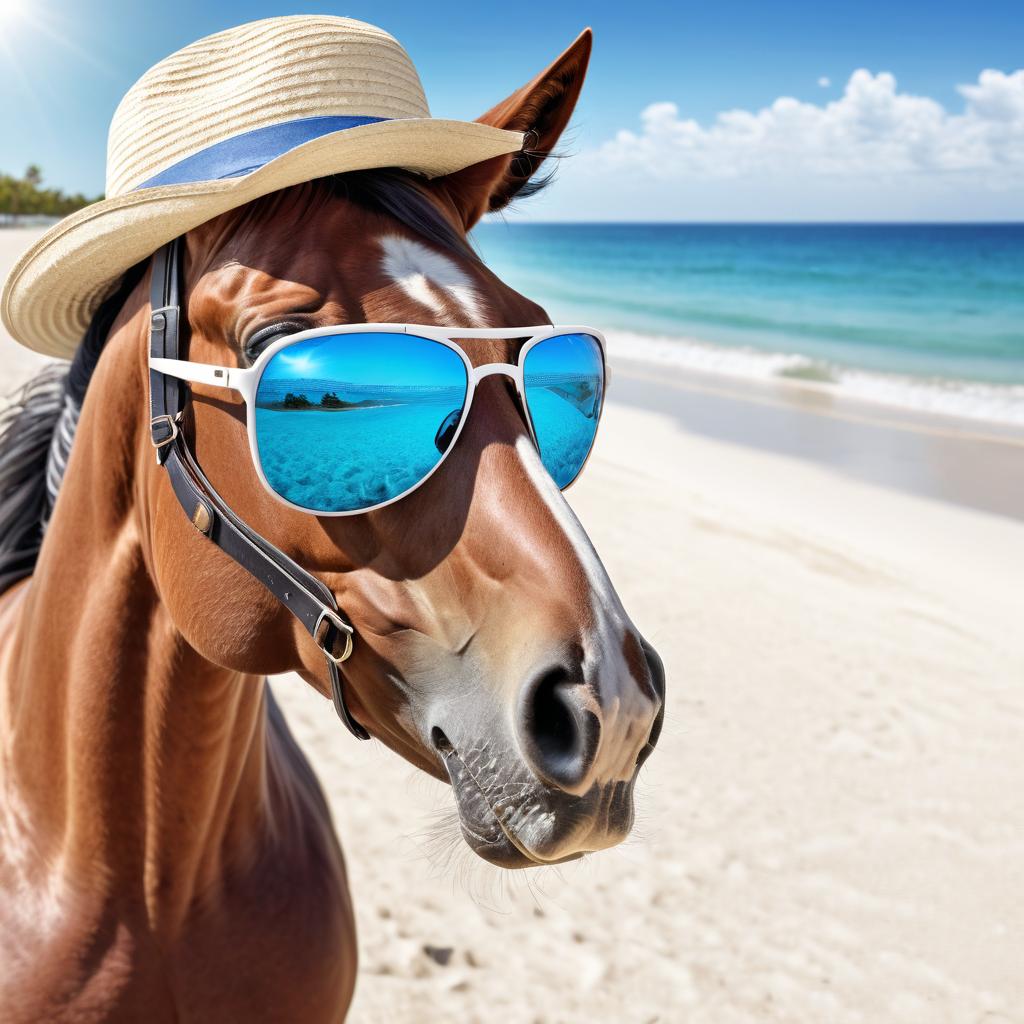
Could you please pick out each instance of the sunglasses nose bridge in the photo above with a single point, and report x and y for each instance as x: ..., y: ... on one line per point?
x: 513, y: 373
x: 478, y: 373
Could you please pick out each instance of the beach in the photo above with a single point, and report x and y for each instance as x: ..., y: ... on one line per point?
x: 831, y: 828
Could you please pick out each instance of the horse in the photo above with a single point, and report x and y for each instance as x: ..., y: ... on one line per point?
x: 166, y: 852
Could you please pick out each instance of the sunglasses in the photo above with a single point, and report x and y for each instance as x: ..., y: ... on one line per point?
x: 344, y: 420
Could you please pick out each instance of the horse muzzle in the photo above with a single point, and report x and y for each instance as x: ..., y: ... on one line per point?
x: 559, y: 783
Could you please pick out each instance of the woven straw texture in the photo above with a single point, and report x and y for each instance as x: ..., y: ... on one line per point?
x: 263, y: 73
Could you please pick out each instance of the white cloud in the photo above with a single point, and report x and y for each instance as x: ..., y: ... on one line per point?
x: 824, y: 81
x: 996, y: 97
x: 871, y: 130
x: 873, y: 152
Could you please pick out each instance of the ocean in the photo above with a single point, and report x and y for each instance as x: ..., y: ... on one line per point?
x: 929, y: 317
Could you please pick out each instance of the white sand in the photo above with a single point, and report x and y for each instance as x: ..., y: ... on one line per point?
x: 832, y: 828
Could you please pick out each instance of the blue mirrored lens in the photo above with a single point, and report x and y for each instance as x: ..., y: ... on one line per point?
x: 347, y: 421
x: 564, y: 381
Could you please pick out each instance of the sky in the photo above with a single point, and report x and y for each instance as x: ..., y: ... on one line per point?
x: 692, y: 111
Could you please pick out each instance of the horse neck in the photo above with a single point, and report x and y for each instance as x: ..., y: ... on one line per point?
x: 137, y: 764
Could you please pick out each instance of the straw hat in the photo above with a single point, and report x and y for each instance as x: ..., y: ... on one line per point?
x: 228, y: 119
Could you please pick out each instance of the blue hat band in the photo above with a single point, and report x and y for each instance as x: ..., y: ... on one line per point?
x: 245, y: 153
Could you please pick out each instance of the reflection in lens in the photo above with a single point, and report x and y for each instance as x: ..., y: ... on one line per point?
x: 446, y: 432
x: 347, y: 421
x: 564, y: 381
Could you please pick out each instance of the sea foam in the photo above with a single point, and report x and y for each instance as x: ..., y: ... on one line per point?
x: 973, y: 400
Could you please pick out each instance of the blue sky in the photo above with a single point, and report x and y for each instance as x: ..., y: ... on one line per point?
x: 650, y: 141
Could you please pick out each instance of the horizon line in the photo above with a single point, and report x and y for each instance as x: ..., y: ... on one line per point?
x: 755, y: 223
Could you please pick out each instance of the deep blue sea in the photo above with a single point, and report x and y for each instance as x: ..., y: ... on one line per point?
x: 926, y: 315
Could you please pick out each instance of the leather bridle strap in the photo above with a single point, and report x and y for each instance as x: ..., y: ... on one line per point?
x: 306, y: 597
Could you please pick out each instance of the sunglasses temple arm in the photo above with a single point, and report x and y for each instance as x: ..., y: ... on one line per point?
x: 201, y: 373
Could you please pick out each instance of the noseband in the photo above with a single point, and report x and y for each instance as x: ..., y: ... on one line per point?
x: 306, y: 597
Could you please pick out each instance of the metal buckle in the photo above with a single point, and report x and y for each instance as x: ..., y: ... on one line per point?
x: 172, y: 422
x: 322, y: 631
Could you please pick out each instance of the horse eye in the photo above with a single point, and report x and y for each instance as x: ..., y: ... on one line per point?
x: 257, y: 342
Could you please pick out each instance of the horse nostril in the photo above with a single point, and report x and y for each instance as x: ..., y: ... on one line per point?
x: 558, y: 732
x: 554, y: 728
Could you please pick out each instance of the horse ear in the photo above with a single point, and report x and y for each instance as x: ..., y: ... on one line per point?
x: 541, y: 109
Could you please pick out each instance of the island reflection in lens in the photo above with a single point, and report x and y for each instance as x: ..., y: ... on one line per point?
x: 346, y: 422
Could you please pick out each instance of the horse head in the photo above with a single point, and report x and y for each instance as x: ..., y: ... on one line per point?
x: 492, y: 649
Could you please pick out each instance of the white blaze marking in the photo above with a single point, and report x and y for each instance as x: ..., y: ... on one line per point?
x: 422, y: 272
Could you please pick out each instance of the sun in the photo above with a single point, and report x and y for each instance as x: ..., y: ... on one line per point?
x: 12, y: 11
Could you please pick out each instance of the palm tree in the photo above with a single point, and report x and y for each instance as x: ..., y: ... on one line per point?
x: 23, y: 196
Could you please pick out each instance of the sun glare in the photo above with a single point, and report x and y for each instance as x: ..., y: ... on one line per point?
x: 300, y: 362
x: 11, y: 11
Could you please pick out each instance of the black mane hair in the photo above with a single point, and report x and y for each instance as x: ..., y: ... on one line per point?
x: 37, y: 427
x: 37, y: 424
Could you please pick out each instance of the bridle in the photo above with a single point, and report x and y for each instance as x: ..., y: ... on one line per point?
x: 306, y: 597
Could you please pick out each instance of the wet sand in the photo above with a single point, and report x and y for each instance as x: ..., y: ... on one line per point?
x: 831, y: 828
x: 973, y: 463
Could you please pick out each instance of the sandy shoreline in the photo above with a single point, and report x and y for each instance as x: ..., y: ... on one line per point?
x: 831, y: 828
x: 953, y: 459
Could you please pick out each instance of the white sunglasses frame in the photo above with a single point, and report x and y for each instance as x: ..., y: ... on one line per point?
x: 245, y: 381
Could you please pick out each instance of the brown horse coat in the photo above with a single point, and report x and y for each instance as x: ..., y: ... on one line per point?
x: 165, y: 851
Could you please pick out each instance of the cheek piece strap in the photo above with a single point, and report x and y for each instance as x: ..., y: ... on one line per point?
x: 306, y: 597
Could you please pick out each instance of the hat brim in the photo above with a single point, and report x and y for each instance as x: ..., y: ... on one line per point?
x: 52, y: 292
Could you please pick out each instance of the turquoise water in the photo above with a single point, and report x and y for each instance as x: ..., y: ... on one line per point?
x: 928, y: 301
x: 349, y: 459
x: 339, y: 461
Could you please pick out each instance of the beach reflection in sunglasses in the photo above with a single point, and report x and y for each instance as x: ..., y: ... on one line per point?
x: 346, y: 422
x: 563, y: 378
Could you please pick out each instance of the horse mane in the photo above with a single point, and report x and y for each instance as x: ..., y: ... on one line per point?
x: 37, y: 428
x: 38, y: 423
